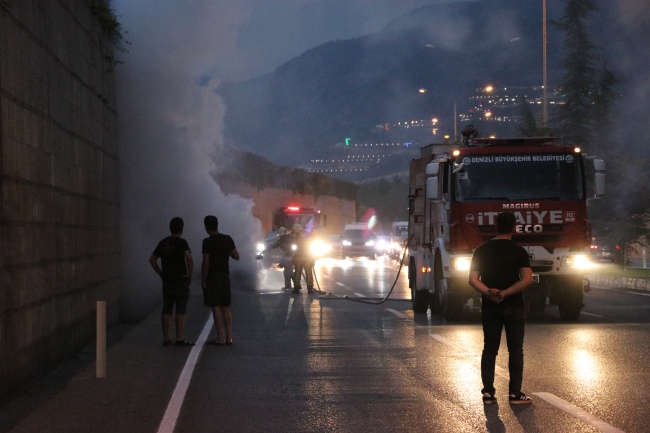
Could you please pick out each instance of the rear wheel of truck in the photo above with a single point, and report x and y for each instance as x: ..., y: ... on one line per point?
x: 536, y: 304
x: 419, y: 298
x: 445, y: 300
x: 454, y: 308
x: 571, y: 303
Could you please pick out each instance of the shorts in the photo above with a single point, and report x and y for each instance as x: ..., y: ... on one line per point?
x: 175, y: 293
x: 217, y: 291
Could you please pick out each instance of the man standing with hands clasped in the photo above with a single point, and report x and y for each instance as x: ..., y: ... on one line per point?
x: 500, y: 271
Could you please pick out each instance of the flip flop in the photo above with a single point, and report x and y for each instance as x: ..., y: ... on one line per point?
x: 214, y: 343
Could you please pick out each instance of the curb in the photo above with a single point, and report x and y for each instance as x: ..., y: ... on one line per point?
x: 642, y: 284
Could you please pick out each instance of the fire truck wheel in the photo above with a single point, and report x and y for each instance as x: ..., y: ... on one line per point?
x: 571, y: 305
x: 536, y: 305
x: 454, y: 308
x: 419, y: 298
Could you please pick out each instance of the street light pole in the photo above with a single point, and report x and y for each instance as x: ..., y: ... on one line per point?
x: 544, y: 77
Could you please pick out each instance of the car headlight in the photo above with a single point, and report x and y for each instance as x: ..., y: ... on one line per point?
x: 260, y: 247
x: 294, y: 247
x: 577, y: 262
x: 370, y: 243
x: 461, y: 263
x: 347, y: 243
x: 319, y: 248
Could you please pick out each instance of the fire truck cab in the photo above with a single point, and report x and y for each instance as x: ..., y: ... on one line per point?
x: 456, y: 192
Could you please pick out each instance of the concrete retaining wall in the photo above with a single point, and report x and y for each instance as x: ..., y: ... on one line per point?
x: 339, y: 211
x: 59, y: 227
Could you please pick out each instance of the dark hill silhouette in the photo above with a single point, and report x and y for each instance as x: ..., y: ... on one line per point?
x: 346, y: 88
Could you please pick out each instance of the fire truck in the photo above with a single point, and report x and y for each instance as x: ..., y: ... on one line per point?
x: 456, y: 192
x: 309, y: 218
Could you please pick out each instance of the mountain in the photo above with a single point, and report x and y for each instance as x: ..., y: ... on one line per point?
x: 349, y: 88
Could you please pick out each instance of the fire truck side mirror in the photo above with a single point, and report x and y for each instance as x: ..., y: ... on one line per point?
x: 599, y: 177
x: 599, y: 184
x: 432, y: 168
x: 432, y: 188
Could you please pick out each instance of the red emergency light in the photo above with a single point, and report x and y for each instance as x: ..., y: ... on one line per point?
x: 293, y: 208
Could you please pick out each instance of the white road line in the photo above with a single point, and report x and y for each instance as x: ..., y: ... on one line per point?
x: 174, y: 407
x: 636, y: 293
x: 592, y: 315
x: 286, y: 320
x: 576, y: 412
x: 360, y: 295
x: 447, y: 342
x: 622, y: 291
x: 397, y: 313
x: 340, y: 284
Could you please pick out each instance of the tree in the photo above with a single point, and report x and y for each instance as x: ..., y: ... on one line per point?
x: 575, y: 116
x: 604, y: 112
x: 528, y: 125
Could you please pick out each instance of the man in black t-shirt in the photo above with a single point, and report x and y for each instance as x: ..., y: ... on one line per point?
x: 500, y: 270
x: 215, y: 278
x: 176, y: 273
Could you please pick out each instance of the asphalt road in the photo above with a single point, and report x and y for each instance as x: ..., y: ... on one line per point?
x: 321, y: 363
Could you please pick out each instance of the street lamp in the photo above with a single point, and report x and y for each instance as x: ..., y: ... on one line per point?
x: 488, y: 89
x: 544, y: 77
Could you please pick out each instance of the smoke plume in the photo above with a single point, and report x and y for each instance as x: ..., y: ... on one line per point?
x: 170, y: 122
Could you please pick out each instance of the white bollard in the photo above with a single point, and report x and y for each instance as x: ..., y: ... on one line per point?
x: 101, y: 340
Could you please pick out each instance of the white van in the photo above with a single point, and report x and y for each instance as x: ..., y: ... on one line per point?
x: 358, y: 241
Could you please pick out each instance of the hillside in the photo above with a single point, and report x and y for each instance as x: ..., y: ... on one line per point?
x: 347, y: 88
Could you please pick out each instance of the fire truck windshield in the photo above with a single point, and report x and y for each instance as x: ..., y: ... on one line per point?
x: 518, y: 177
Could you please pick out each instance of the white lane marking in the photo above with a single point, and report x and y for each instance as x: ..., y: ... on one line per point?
x: 340, y: 284
x: 397, y: 313
x: 636, y: 293
x: 174, y: 407
x: 592, y: 315
x: 576, y: 412
x: 286, y: 320
x: 499, y: 371
x: 622, y: 291
x: 360, y: 295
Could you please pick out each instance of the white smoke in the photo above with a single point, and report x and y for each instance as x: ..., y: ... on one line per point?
x: 170, y: 122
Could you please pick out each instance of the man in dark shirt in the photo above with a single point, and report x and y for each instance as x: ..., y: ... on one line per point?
x: 176, y: 273
x: 500, y: 271
x: 215, y: 278
x: 303, y: 261
x: 285, y: 242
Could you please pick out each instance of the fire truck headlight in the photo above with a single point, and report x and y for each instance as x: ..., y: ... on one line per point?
x: 577, y: 262
x: 461, y: 263
x: 260, y: 247
x: 347, y: 243
x: 319, y: 248
x: 370, y: 243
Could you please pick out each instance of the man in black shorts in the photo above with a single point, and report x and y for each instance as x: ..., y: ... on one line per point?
x: 500, y: 271
x: 177, y: 266
x: 215, y: 278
